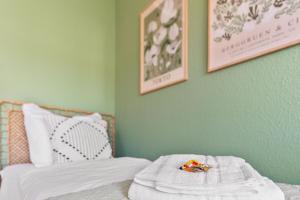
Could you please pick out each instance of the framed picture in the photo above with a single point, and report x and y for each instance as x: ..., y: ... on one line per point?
x: 163, y: 50
x: 240, y: 30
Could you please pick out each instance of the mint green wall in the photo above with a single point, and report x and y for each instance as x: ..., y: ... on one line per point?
x: 62, y: 52
x: 59, y: 52
x: 250, y: 110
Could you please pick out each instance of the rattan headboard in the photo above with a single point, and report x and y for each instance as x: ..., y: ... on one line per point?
x: 11, y: 121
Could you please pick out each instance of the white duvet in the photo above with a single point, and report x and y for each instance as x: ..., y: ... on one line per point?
x: 25, y: 182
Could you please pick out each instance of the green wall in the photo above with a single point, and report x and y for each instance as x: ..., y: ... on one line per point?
x: 58, y: 52
x: 62, y: 52
x: 250, y: 110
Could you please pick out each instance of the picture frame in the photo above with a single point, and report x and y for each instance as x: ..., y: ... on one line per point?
x: 163, y: 44
x: 240, y: 30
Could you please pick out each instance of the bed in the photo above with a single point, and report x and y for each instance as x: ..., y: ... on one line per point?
x: 108, y: 180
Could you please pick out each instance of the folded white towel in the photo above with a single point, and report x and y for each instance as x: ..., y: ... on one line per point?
x: 228, y: 176
x: 225, y: 170
x: 268, y: 192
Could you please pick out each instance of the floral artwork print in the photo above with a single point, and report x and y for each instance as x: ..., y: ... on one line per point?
x: 234, y: 16
x: 163, y: 44
x: 241, y: 30
x: 163, y: 39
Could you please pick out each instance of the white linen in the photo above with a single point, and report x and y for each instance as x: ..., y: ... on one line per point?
x: 115, y: 191
x: 119, y: 191
x: 225, y: 175
x: 228, y: 176
x: 10, y: 185
x: 42, y: 183
x: 139, y: 192
x: 37, y: 135
x: 43, y: 148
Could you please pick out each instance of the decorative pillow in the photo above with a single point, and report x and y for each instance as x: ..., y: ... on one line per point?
x: 14, y: 147
x: 46, y: 146
x: 76, y: 139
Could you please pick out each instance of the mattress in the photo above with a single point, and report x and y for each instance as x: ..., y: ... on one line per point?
x: 118, y: 191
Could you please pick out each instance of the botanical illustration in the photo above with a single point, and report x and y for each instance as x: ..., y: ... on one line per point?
x: 163, y: 39
x: 232, y: 17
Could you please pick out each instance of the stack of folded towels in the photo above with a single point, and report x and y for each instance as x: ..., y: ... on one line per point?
x: 229, y: 178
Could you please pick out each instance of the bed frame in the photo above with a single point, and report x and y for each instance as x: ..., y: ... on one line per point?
x: 12, y: 125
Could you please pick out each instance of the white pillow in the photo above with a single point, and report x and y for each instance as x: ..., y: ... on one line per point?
x: 44, y: 128
x: 77, y: 139
x: 37, y: 135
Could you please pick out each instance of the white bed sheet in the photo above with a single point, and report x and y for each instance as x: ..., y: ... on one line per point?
x: 25, y: 182
x: 10, y: 187
x: 115, y: 191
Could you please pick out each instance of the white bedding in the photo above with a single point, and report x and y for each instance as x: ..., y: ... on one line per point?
x: 119, y: 191
x: 10, y: 187
x: 25, y: 182
x: 137, y: 192
x: 230, y: 178
x: 11, y: 190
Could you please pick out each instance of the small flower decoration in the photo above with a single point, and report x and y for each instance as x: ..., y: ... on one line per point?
x: 173, y: 32
x: 173, y: 47
x: 278, y: 3
x: 152, y: 27
x: 232, y: 17
x: 151, y: 56
x: 160, y: 35
x: 168, y: 12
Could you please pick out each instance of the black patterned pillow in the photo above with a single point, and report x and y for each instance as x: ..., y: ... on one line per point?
x: 77, y: 138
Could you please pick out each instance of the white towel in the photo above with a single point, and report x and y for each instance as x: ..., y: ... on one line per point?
x: 268, y: 192
x: 228, y: 176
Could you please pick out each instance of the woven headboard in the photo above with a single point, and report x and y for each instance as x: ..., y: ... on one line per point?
x: 12, y: 129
